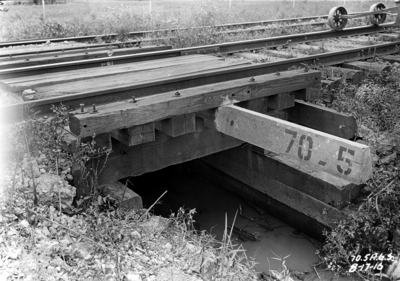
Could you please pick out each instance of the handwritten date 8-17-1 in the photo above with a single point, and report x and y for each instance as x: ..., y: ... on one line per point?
x: 306, y: 155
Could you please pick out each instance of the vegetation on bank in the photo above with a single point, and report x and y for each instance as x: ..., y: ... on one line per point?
x: 78, y: 19
x: 373, y: 223
x: 46, y: 235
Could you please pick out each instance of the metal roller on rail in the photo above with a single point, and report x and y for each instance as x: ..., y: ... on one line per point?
x: 338, y: 16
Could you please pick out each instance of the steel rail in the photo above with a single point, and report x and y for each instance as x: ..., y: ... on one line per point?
x: 138, y: 42
x: 141, y: 34
x: 224, y: 48
x: 11, y: 113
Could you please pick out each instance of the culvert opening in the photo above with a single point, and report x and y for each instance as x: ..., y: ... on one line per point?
x: 188, y: 189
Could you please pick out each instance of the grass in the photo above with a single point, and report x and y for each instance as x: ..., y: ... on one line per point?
x: 78, y: 19
x: 101, y: 241
x: 373, y: 219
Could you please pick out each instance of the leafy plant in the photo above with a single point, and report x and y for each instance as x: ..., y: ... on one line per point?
x: 284, y: 275
x: 373, y: 222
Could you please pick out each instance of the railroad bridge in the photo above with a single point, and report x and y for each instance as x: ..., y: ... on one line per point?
x: 252, y: 128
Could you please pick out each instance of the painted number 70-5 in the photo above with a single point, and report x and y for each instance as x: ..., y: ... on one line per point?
x: 306, y: 154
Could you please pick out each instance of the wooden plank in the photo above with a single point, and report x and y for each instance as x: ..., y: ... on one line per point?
x: 321, y: 186
x: 322, y: 119
x: 126, y: 198
x: 258, y: 105
x: 121, y: 115
x: 190, y: 123
x: 208, y: 117
x: 135, y: 135
x: 18, y: 54
x: 163, y: 152
x: 353, y: 75
x: 328, y: 85
x: 69, y: 141
x: 173, y: 127
x: 114, y: 69
x: 32, y: 60
x: 74, y: 78
x: 122, y: 136
x: 146, y: 128
x: 332, y: 83
x: 392, y: 58
x: 311, y: 149
x: 124, y: 80
x: 69, y: 46
x: 392, y: 37
x: 315, y: 218
x: 281, y: 101
x: 177, y: 125
x: 367, y: 66
x: 148, y: 137
x: 280, y: 114
x: 291, y: 197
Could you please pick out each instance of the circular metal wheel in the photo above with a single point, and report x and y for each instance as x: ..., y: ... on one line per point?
x: 335, y: 20
x: 380, y: 18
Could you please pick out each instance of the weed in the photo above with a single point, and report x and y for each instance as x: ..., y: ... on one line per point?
x: 284, y: 275
x: 372, y: 226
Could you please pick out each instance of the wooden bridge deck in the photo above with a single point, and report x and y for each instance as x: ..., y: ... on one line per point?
x: 115, y: 76
x: 175, y: 125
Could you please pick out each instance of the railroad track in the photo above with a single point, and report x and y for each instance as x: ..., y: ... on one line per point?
x: 59, y: 62
x: 13, y: 80
x: 95, y: 43
x: 137, y: 35
x: 68, y: 46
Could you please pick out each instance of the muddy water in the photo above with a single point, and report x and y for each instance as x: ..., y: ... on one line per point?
x: 189, y: 190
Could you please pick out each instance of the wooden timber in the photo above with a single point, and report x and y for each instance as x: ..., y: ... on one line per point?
x: 165, y: 151
x: 328, y: 85
x: 354, y: 76
x: 367, y: 66
x: 135, y: 135
x: 109, y: 77
x: 301, y: 211
x: 322, y: 119
x: 330, y: 190
x: 125, y: 198
x: 98, y: 96
x: 178, y: 125
x: 388, y: 36
x: 120, y: 115
x: 392, y: 58
x: 302, y: 113
x: 24, y: 82
x: 332, y: 83
x: 280, y: 101
x: 312, y: 150
x: 84, y: 54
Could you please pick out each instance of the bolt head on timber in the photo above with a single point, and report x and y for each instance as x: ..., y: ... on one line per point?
x: 94, y: 109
